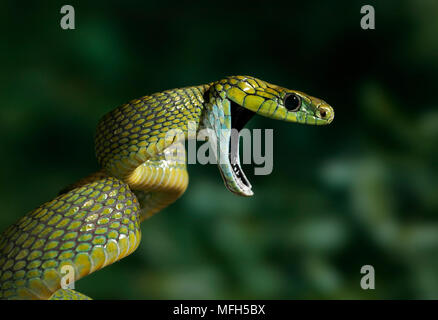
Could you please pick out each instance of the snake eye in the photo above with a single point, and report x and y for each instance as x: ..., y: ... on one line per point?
x: 292, y: 102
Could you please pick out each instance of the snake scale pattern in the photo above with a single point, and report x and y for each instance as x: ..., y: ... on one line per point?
x: 96, y: 221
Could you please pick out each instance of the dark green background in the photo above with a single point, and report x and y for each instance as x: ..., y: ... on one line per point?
x: 361, y: 191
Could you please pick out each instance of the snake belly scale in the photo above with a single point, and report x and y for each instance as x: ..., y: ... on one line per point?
x: 96, y: 221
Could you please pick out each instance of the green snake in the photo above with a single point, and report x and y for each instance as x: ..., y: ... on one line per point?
x: 96, y: 221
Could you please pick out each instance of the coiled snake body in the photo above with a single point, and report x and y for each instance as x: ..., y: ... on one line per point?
x: 96, y: 221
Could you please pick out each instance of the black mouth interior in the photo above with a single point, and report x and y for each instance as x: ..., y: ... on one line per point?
x: 239, y: 118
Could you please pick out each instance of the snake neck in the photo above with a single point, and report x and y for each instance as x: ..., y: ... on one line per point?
x: 132, y: 143
x: 138, y: 131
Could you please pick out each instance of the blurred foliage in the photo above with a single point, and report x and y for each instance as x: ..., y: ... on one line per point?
x: 361, y: 191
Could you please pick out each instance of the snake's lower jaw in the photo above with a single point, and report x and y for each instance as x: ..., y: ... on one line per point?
x: 247, y: 192
x: 232, y: 173
x: 235, y: 180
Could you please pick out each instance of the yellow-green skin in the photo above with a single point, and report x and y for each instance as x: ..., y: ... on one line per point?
x: 68, y: 294
x: 96, y: 221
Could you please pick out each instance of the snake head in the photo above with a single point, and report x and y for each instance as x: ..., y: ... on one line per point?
x: 279, y: 103
x: 232, y: 103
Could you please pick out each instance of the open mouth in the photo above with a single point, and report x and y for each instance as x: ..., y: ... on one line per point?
x: 239, y: 118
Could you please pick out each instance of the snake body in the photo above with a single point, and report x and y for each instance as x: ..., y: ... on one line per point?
x: 96, y: 221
